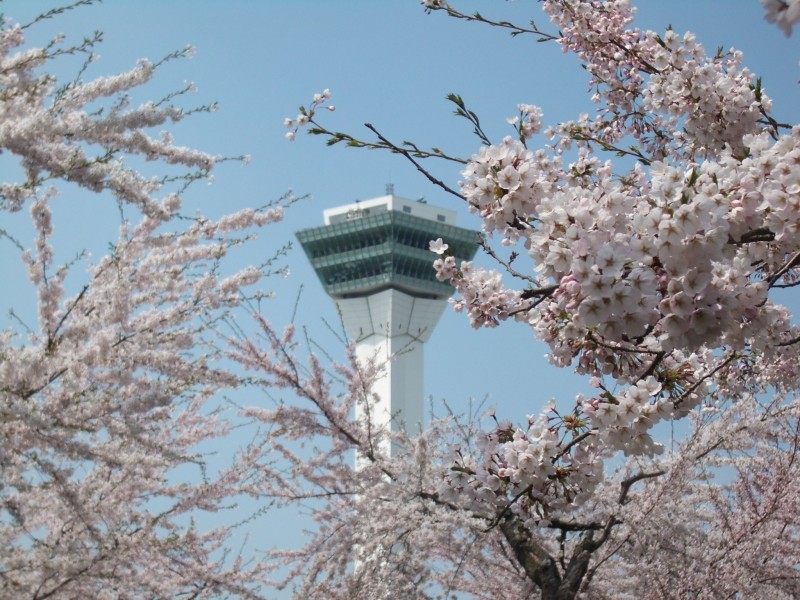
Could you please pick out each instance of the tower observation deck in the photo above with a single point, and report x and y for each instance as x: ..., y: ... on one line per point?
x: 373, y: 260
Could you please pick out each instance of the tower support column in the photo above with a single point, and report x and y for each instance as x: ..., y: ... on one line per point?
x: 391, y: 327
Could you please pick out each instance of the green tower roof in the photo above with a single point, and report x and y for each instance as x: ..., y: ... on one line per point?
x: 367, y: 253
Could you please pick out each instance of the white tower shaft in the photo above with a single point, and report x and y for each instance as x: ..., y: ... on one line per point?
x: 391, y: 327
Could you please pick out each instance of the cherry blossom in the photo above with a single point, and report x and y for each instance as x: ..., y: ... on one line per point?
x: 306, y: 115
x: 437, y: 246
x: 107, y: 401
x: 784, y: 13
x: 655, y: 277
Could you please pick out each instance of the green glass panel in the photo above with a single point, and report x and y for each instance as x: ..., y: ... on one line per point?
x: 389, y: 249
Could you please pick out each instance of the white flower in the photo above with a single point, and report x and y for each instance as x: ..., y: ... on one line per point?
x: 438, y: 246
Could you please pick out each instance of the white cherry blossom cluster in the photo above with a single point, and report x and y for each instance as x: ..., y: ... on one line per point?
x: 659, y: 277
x: 542, y: 474
x: 529, y: 121
x: 611, y: 277
x: 784, y: 13
x: 665, y: 91
x: 597, y: 33
x: 107, y: 395
x: 505, y: 183
x: 483, y: 296
x: 481, y: 293
x: 65, y: 134
x: 319, y: 101
x: 531, y: 466
x: 623, y: 420
x: 675, y: 256
x: 714, y: 100
x: 748, y: 538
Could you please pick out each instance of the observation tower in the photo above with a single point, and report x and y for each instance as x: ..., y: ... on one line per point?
x: 374, y: 261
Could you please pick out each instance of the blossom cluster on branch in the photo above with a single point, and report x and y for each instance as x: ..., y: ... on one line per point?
x: 655, y: 276
x: 107, y: 402
x: 784, y: 13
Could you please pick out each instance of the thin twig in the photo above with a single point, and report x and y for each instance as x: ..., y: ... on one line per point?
x: 573, y: 442
x: 515, y: 29
x: 793, y: 262
x: 407, y: 154
x: 507, y: 265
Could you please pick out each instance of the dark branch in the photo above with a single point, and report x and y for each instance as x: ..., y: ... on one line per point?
x: 408, y: 155
x: 625, y: 486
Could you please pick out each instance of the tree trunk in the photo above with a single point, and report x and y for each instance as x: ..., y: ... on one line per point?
x: 542, y: 568
x: 539, y: 566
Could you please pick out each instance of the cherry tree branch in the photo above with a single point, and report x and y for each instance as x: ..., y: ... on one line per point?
x: 790, y: 264
x: 410, y: 155
x: 625, y: 485
x: 515, y: 30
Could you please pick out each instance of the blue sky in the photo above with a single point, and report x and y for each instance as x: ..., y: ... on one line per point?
x: 387, y: 63
x: 390, y: 64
